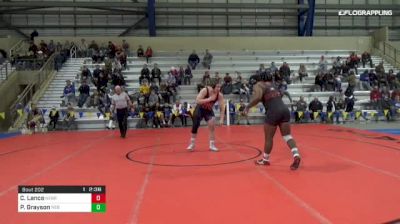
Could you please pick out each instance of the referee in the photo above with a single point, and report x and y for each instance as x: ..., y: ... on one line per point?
x: 120, y: 102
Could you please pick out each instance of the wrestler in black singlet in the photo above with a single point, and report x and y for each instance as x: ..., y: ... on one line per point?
x: 276, y: 112
x: 201, y: 111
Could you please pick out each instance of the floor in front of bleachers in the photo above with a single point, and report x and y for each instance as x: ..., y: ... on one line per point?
x: 346, y: 176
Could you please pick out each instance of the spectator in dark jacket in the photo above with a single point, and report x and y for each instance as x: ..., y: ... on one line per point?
x: 144, y: 74
x: 84, y: 92
x: 156, y: 74
x: 193, y: 60
x: 53, y: 115
x: 301, y: 107
x: 140, y: 51
x: 366, y: 57
x: 315, y: 106
x: 364, y: 81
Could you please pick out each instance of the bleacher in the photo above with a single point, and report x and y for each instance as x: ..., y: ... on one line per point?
x: 246, y: 62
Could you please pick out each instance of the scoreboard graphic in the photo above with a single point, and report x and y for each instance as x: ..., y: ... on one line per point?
x: 62, y: 199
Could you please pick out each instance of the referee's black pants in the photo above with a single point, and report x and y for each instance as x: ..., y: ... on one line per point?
x: 122, y: 117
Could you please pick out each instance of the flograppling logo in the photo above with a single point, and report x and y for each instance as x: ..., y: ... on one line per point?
x: 365, y: 12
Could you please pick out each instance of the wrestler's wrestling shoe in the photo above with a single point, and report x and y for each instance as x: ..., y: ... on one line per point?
x: 262, y: 162
x: 191, y: 147
x: 296, y: 163
x: 213, y: 148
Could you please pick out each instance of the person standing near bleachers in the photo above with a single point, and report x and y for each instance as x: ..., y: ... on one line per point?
x: 193, y: 60
x: 207, y: 60
x: 120, y: 102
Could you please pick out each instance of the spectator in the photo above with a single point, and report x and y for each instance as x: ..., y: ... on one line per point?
x: 331, y: 107
x: 273, y: 68
x: 177, y: 112
x: 345, y: 69
x: 153, y: 100
x: 323, y: 65
x: 97, y: 71
x: 349, y: 103
x: 144, y: 74
x: 380, y: 69
x: 338, y: 82
x: 375, y: 98
x: 329, y: 81
x: 227, y: 85
x: 85, y: 74
x: 262, y: 71
x: 54, y: 116
x: 207, y: 59
x: 315, y: 106
x: 149, y: 53
x: 84, y: 93
x: 140, y: 52
x: 366, y: 57
x: 364, y: 81
x: 193, y: 60
x: 302, y: 72
x: 352, y: 80
x: 395, y: 93
x: 69, y: 93
x: 373, y: 78
x: 319, y: 82
x: 34, y: 34
x: 144, y: 89
x: 205, y: 81
x: 125, y: 47
x: 245, y: 90
x: 186, y: 108
x: 69, y: 119
x: 392, y: 80
x: 180, y: 76
x: 301, y: 107
x: 51, y: 47
x: 103, y: 103
x: 232, y: 112
x: 382, y: 80
x: 43, y: 47
x: 154, y: 86
x: 164, y: 91
x: 118, y: 79
x: 33, y: 48
x: 188, y: 76
x: 94, y: 99
x: 217, y: 78
x: 112, y: 49
x: 59, y: 47
x: 387, y: 105
x: 242, y: 114
x: 35, y: 118
x: 337, y: 65
x: 354, y: 60
x: 156, y: 74
x: 284, y: 70
x: 94, y: 48
x: 102, y: 82
x: 83, y: 49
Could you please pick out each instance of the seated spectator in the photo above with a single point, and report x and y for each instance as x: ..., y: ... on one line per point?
x: 153, y: 100
x: 187, y: 112
x: 217, y: 78
x: 177, y: 111
x: 171, y: 86
x: 97, y: 71
x: 205, y: 81
x: 302, y: 72
x: 392, y: 80
x: 373, y: 78
x: 340, y: 103
x: 164, y: 92
x: 352, y: 80
x: 323, y: 65
x: 345, y: 69
x: 349, y: 101
x: 188, y: 76
x: 144, y: 74
x: 140, y: 51
x: 319, y: 82
x: 103, y: 103
x: 51, y: 47
x: 154, y: 87
x: 396, y: 104
x: 94, y: 99
x: 301, y: 107
x: 144, y: 89
x: 338, y: 82
x: 59, y: 47
x: 387, y: 105
x: 33, y: 48
x: 315, y: 106
x: 375, y: 98
x: 262, y: 71
x: 43, y: 47
x: 35, y: 118
x: 354, y: 60
x: 366, y: 57
x: 34, y: 34
x: 149, y: 53
x: 83, y: 49
x: 395, y: 93
x: 156, y: 74
x: 193, y: 60
x: 125, y: 47
x: 112, y: 49
x: 102, y: 82
x: 382, y: 80
x: 273, y: 68
x: 331, y: 107
x: 117, y: 79
x: 53, y: 115
x: 337, y: 65
x: 180, y: 76
x: 227, y: 85
x: 69, y: 93
x: 364, y: 81
x: 122, y: 58
x: 207, y: 59
x: 69, y: 119
x: 380, y: 69
x: 84, y: 93
x: 245, y: 90
x: 241, y: 113
x: 385, y: 92
x: 232, y: 112
x: 284, y: 70
x: 329, y: 81
x: 85, y: 74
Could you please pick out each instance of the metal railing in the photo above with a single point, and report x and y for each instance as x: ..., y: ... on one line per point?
x: 5, y: 70
x: 390, y: 52
x: 26, y: 96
